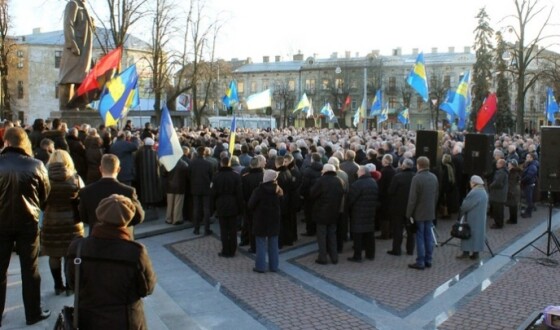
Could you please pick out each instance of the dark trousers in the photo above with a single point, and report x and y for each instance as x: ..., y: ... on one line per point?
x: 364, y: 241
x: 498, y: 213
x: 201, y: 211
x: 228, y: 235
x: 398, y: 224
x: 188, y: 207
x: 27, y: 247
x: 310, y: 226
x: 247, y: 236
x: 341, y: 231
x: 285, y: 234
x: 326, y: 240
x: 513, y: 213
x: 528, y: 194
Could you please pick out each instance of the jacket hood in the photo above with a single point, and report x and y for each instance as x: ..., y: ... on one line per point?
x: 269, y: 187
x: 58, y: 172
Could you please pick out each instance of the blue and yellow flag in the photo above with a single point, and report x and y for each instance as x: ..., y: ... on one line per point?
x: 384, y: 115
x: 404, y: 117
x: 169, y: 149
x: 303, y: 103
x: 417, y: 78
x: 119, y: 96
x: 232, y: 136
x: 551, y: 106
x: 327, y: 111
x: 377, y: 104
x: 231, y: 97
x: 457, y: 102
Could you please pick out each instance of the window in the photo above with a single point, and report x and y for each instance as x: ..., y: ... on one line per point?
x: 393, y: 83
x: 20, y: 89
x: 56, y: 89
x: 339, y: 83
x: 310, y: 85
x: 240, y: 87
x: 419, y: 103
x: 57, y: 57
x: 325, y: 84
x: 291, y: 85
x: 19, y: 53
x: 393, y: 102
x: 447, y: 81
x: 253, y: 86
x: 279, y: 105
x: 20, y: 63
x: 265, y: 84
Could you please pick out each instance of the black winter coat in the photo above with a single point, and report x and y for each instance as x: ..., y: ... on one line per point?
x: 177, y: 179
x: 24, y: 188
x: 398, y: 192
x: 57, y: 137
x: 115, y: 274
x: 200, y: 173
x: 285, y: 182
x: 362, y: 203
x: 326, y: 196
x: 308, y: 178
x: 265, y: 205
x: 78, y: 154
x: 226, y: 193
x: 250, y: 181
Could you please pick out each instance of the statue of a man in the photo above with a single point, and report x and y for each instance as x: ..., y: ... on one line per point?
x: 76, y: 57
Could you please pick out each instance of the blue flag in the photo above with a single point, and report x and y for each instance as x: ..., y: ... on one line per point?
x: 327, y: 111
x: 231, y: 97
x: 417, y: 78
x: 457, y: 102
x: 384, y: 114
x: 169, y: 150
x: 551, y: 106
x: 404, y: 117
x: 377, y: 104
x: 232, y: 132
x: 120, y: 95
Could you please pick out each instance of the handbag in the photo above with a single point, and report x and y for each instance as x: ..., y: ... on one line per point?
x: 75, y: 202
x: 411, y: 226
x: 68, y: 316
x: 461, y: 229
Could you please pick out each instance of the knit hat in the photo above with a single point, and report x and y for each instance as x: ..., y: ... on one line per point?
x: 148, y: 141
x: 477, y: 180
x: 115, y: 210
x: 269, y: 175
x: 328, y: 168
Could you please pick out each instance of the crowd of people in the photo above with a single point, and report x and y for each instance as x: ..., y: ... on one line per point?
x: 344, y: 184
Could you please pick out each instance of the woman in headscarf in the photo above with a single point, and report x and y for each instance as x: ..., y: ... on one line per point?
x: 473, y: 209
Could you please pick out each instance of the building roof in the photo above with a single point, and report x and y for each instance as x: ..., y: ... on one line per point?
x: 270, y: 67
x: 56, y: 38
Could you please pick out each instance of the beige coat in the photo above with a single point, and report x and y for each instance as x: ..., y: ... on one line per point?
x: 78, y: 30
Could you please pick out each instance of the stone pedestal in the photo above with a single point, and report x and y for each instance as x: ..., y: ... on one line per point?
x: 75, y: 117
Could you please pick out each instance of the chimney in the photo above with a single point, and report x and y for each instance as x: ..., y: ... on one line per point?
x: 37, y: 30
x: 298, y: 57
x: 334, y: 55
x: 347, y: 54
x: 357, y: 54
x: 249, y: 60
x: 414, y: 51
x: 397, y: 51
x: 434, y: 50
x: 266, y: 59
x: 467, y: 50
x: 277, y: 58
x: 375, y: 52
x: 451, y: 50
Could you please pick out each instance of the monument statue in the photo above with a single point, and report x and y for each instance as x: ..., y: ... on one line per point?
x: 76, y: 57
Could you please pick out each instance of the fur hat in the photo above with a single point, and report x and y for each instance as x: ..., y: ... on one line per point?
x: 477, y: 180
x: 115, y: 210
x: 148, y: 141
x: 269, y: 175
x: 328, y: 168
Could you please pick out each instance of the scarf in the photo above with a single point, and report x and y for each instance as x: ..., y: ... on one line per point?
x: 102, y: 230
x: 450, y: 173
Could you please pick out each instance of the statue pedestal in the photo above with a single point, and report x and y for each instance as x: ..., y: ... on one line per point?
x: 74, y: 117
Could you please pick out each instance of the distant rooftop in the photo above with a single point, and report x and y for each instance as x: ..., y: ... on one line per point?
x: 56, y: 38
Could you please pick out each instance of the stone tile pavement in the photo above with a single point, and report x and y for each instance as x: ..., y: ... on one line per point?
x: 199, y: 290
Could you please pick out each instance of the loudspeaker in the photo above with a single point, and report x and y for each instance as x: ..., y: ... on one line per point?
x: 477, y: 154
x: 549, y: 171
x: 428, y: 144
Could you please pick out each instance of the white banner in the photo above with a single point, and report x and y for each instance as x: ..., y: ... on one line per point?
x: 259, y: 100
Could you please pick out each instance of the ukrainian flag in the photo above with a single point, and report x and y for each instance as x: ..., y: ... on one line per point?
x: 377, y: 104
x: 456, y: 103
x: 232, y: 136
x: 551, y: 105
x: 119, y: 96
x: 231, y: 97
x: 404, y: 117
x: 417, y: 78
x: 384, y: 114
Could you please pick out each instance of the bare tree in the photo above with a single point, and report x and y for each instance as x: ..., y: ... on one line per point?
x: 526, y: 49
x: 121, y: 16
x: 286, y: 97
x: 6, y: 47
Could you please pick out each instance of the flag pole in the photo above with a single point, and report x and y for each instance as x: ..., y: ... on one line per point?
x: 365, y: 95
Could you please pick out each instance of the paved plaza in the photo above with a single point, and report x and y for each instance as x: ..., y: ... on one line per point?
x: 199, y: 290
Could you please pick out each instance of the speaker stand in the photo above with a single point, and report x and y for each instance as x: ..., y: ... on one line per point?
x: 551, y: 237
x: 485, y: 242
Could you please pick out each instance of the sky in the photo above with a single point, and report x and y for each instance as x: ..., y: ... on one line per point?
x: 257, y: 28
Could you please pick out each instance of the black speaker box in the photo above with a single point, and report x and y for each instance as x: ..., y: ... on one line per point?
x: 549, y: 171
x: 428, y: 144
x: 477, y: 154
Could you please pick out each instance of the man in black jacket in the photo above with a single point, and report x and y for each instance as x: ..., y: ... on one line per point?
x: 362, y: 202
x: 309, y: 176
x: 92, y: 194
x: 398, y: 197
x: 200, y: 173
x: 250, y: 180
x: 227, y: 201
x: 25, y: 185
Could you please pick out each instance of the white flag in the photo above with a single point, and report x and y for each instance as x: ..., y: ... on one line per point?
x: 259, y: 100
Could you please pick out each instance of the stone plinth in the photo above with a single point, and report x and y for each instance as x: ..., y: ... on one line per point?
x: 75, y: 117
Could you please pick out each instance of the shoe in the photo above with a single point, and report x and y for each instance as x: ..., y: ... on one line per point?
x: 168, y: 222
x: 321, y: 262
x: 334, y: 262
x: 393, y: 253
x: 464, y: 255
x: 370, y: 258
x: 58, y: 291
x: 208, y: 232
x: 258, y: 270
x: 251, y: 250
x: 220, y: 254
x: 196, y: 232
x: 179, y: 223
x: 495, y: 226
x: 44, y: 315
x: 69, y: 292
x: 243, y: 243
x: 524, y: 215
x: 381, y: 237
x: 410, y: 253
x: 354, y: 259
x: 308, y: 234
x: 428, y: 265
x: 474, y: 256
x: 511, y: 222
x: 416, y: 266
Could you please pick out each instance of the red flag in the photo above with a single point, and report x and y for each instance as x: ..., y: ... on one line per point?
x: 346, y: 103
x: 96, y: 78
x: 486, y: 112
